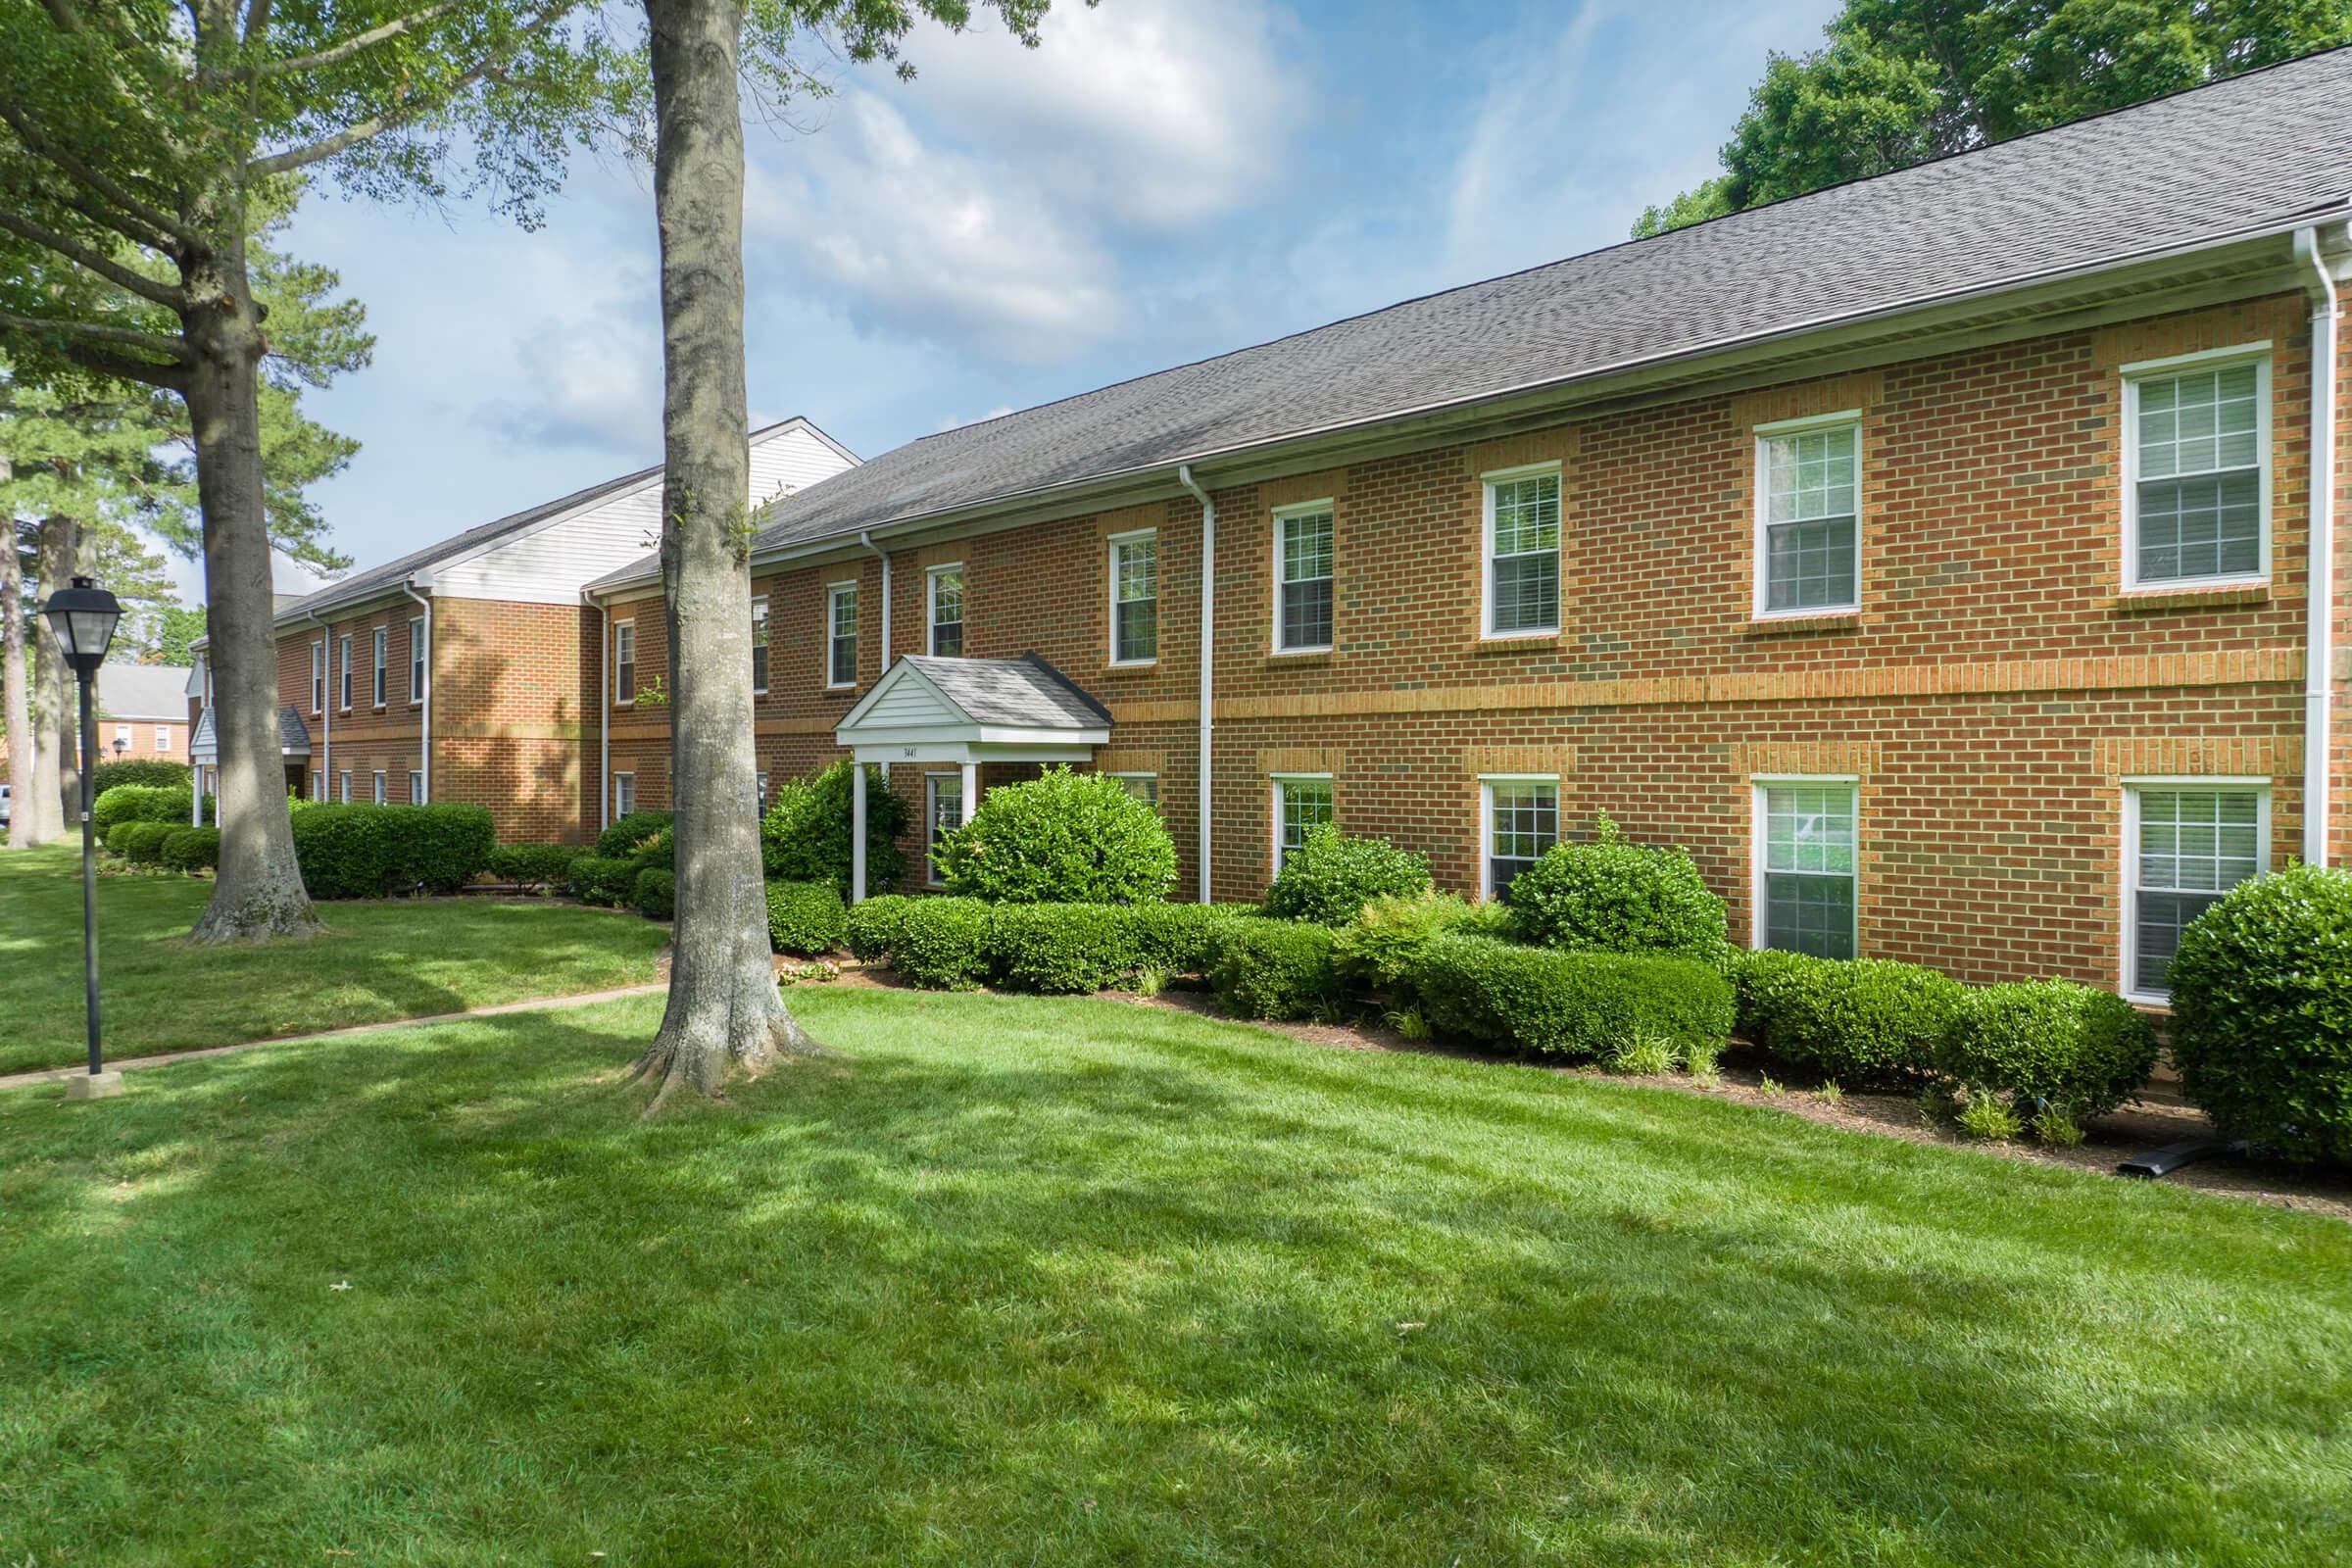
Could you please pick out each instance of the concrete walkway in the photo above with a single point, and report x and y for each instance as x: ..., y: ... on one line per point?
x: 58, y: 1075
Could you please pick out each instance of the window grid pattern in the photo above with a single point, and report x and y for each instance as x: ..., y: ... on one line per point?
x: 624, y: 795
x: 1305, y: 806
x: 381, y: 788
x: 945, y: 814
x: 317, y: 679
x: 625, y: 665
x: 1145, y: 787
x: 1135, y: 600
x: 1812, y: 511
x: 840, y: 667
x: 416, y: 787
x: 2194, y: 845
x: 1307, y: 556
x: 384, y: 660
x: 343, y: 686
x: 1809, y: 868
x: 2199, y: 511
x: 1524, y: 574
x: 163, y: 738
x: 1523, y: 820
x: 417, y: 660
x: 759, y: 645
x: 946, y: 614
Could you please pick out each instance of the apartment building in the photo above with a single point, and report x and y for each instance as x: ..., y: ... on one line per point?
x: 1948, y: 560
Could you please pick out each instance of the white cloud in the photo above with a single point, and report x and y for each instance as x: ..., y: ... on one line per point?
x: 591, y: 378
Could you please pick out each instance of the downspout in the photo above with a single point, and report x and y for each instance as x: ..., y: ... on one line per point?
x: 603, y: 711
x: 1208, y: 660
x: 327, y: 705
x: 866, y: 537
x: 425, y: 736
x: 2318, y: 655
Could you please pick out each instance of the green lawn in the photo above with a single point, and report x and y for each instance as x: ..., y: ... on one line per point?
x: 1022, y: 1281
x: 379, y: 962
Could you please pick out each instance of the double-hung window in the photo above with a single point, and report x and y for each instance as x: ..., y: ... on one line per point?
x: 944, y: 590
x: 418, y: 649
x: 121, y: 737
x: 317, y: 679
x: 343, y: 680
x: 841, y: 634
x: 1523, y: 552
x: 624, y: 668
x: 343, y: 786
x: 383, y: 796
x: 163, y: 737
x: 1134, y: 598
x: 1809, y: 517
x: 624, y: 795
x: 383, y: 657
x: 318, y: 785
x: 2186, y: 842
x: 1145, y: 787
x: 1805, y: 854
x: 1521, y: 820
x: 759, y: 646
x: 1302, y: 548
x: 943, y: 811
x: 1302, y: 804
x: 416, y: 787
x: 2197, y: 491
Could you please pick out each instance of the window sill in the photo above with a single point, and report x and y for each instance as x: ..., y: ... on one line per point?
x: 1516, y: 641
x: 1310, y: 656
x: 2156, y: 601
x: 1792, y: 625
x: 1129, y: 666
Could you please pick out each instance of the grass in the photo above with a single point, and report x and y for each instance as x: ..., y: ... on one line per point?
x: 1042, y: 1282
x: 379, y: 962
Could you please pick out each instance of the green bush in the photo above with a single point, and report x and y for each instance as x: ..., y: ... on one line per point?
x: 143, y: 803
x: 152, y: 774
x: 942, y: 944
x: 1275, y: 969
x: 874, y: 925
x: 1583, y: 1004
x: 1182, y: 937
x: 2050, y: 1042
x: 192, y: 849
x: 806, y: 835
x: 2262, y: 1013
x: 1609, y: 896
x: 1329, y: 879
x: 631, y: 833
x: 366, y: 852
x: 1382, y: 945
x: 655, y: 892
x: 1862, y: 1022
x: 601, y: 879
x: 143, y: 845
x: 531, y: 867
x: 656, y: 853
x: 116, y: 838
x: 805, y: 918
x: 1063, y: 948
x: 1061, y: 838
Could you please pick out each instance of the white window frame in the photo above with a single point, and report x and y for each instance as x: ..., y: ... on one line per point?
x: 1758, y: 926
x: 621, y: 699
x: 383, y: 687
x: 420, y: 672
x: 833, y: 593
x: 317, y: 679
x: 759, y: 792
x: 2258, y: 354
x: 381, y: 783
x: 1486, y: 819
x: 343, y: 786
x: 2127, y: 868
x: 1117, y: 542
x: 163, y: 737
x: 1128, y: 778
x: 1328, y: 506
x: 964, y: 585
x: 122, y: 736
x: 1485, y: 550
x: 416, y: 787
x: 759, y: 623
x: 625, y: 784
x: 317, y: 784
x: 1274, y: 784
x: 343, y: 686
x: 963, y: 814
x: 1759, y: 548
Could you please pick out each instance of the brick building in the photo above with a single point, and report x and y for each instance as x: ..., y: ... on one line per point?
x: 1943, y: 560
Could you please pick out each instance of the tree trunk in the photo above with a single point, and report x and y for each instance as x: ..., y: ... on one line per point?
x: 724, y: 1005
x: 257, y: 892
x: 15, y: 697
x: 52, y: 704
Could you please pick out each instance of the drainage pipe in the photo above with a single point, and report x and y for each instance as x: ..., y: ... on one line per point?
x: 866, y: 537
x: 2318, y: 655
x: 604, y: 710
x: 424, y: 734
x: 1209, y: 662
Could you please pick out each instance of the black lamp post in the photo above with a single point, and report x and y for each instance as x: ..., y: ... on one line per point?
x: 82, y: 619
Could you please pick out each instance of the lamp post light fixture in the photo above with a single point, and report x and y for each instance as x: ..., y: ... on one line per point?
x: 82, y: 619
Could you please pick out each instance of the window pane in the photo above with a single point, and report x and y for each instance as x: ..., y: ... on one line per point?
x: 2207, y: 526
x: 1135, y: 596
x: 1812, y: 914
x: 946, y: 614
x: 1305, y: 599
x: 1144, y: 787
x: 1527, y: 592
x: 1527, y: 515
x: 1305, y: 806
x: 1306, y: 614
x: 1815, y: 473
x: 1810, y: 563
x: 946, y: 811
x: 841, y: 668
x: 2161, y: 917
x: 759, y: 645
x: 1523, y: 820
x: 1524, y: 578
x: 1809, y: 859
x: 1138, y: 631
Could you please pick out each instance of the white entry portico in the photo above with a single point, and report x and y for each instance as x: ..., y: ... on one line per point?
x: 964, y: 711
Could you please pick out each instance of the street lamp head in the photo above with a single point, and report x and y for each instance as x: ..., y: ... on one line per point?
x: 120, y: 746
x: 82, y: 619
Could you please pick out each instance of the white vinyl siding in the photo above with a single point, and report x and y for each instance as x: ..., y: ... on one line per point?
x: 944, y: 599
x: 1134, y: 598
x: 2186, y: 843
x: 1304, y: 541
x: 1809, y: 517
x: 625, y: 663
x: 942, y: 815
x: 1807, y: 854
x: 2197, y: 496
x: 1302, y: 803
x: 841, y: 634
x: 1519, y: 820
x: 759, y: 646
x: 417, y: 650
x: 384, y: 660
x: 1522, y: 530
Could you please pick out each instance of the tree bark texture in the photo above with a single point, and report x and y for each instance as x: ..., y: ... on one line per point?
x: 52, y: 704
x: 724, y: 1006
x: 15, y: 694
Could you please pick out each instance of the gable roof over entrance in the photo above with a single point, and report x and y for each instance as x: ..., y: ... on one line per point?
x: 974, y: 710
x: 293, y: 737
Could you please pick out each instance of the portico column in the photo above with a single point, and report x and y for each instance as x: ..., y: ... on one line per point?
x: 971, y: 790
x: 857, y: 831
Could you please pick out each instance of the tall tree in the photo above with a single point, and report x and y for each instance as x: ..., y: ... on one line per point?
x: 57, y: 768
x: 16, y: 684
x: 172, y: 635
x: 171, y: 128
x: 1899, y: 81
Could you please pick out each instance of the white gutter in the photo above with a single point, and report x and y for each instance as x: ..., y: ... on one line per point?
x: 866, y: 537
x: 2319, y: 656
x: 425, y: 736
x: 1209, y: 662
x: 603, y: 710
x: 327, y: 704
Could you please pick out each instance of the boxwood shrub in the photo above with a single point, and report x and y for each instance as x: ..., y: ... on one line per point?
x: 655, y: 892
x: 2049, y: 1041
x: 804, y: 837
x: 152, y: 774
x: 942, y: 944
x: 532, y: 867
x: 805, y: 918
x: 192, y: 849
x: 873, y: 926
x: 1582, y: 1004
x: 366, y: 852
x: 2262, y: 1013
x: 1329, y: 879
x: 1182, y: 937
x: 1061, y: 838
x: 1274, y: 969
x: 631, y: 833
x: 143, y: 803
x: 601, y: 879
x: 143, y: 844
x: 1609, y: 896
x: 116, y: 838
x: 1861, y: 1022
x: 1063, y: 948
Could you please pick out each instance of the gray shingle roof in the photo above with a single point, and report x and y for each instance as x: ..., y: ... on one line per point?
x: 143, y: 691
x: 1024, y: 691
x: 293, y: 736
x: 2201, y: 166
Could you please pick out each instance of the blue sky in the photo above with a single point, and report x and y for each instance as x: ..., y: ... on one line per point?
x: 1161, y: 180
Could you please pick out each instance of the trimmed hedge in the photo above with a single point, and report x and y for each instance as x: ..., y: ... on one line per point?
x: 1063, y: 948
x: 942, y: 944
x: 630, y: 833
x: 655, y: 892
x: 1278, y: 969
x: 1182, y: 937
x: 366, y: 852
x: 1582, y: 1004
x: 116, y: 838
x: 873, y: 926
x: 143, y: 843
x: 531, y: 865
x: 806, y: 835
x: 805, y: 918
x: 151, y: 775
x: 1060, y: 838
x: 2052, y: 1042
x: 192, y: 849
x: 601, y: 879
x: 143, y: 803
x: 1329, y: 879
x: 1862, y: 1022
x: 1610, y: 896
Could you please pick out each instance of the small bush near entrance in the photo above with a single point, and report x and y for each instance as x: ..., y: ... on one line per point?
x: 1861, y: 1022
x: 143, y: 843
x: 2051, y: 1043
x: 656, y: 894
x: 1182, y: 937
x: 1279, y: 969
x: 366, y: 852
x: 532, y: 867
x: 805, y: 918
x: 1063, y: 948
x: 599, y: 879
x: 152, y: 774
x: 2262, y: 1013
x: 942, y: 944
x: 1061, y: 838
x: 874, y: 925
x: 806, y: 835
x: 631, y: 833
x: 192, y: 849
x: 1329, y: 879
x: 143, y: 803
x: 1582, y: 1004
x: 1610, y: 896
